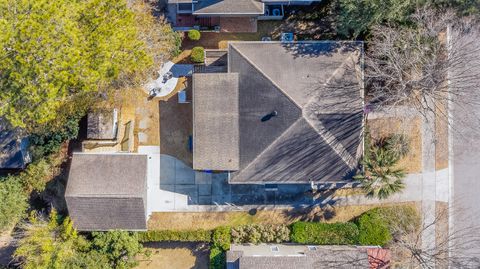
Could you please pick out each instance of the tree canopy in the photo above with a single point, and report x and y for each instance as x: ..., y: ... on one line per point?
x: 54, y: 243
x: 53, y: 51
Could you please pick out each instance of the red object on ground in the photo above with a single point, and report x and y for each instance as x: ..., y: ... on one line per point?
x: 379, y: 258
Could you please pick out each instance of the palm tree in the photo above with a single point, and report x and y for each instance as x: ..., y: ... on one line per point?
x: 380, y: 178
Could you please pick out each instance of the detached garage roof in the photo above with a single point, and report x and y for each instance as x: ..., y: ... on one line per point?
x: 107, y: 191
x: 215, y: 127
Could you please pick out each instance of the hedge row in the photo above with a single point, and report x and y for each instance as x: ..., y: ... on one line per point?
x: 324, y: 233
x: 256, y: 233
x: 167, y: 235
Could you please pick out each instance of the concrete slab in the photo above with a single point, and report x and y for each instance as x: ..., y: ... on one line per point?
x: 184, y: 175
x: 142, y: 137
x: 204, y: 189
x: 188, y: 190
x: 203, y: 178
x: 204, y: 200
x: 167, y: 169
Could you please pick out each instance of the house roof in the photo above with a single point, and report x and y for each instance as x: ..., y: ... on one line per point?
x: 296, y: 256
x: 13, y: 147
x: 225, y: 7
x: 315, y: 91
x: 215, y: 128
x: 102, y: 125
x: 107, y: 191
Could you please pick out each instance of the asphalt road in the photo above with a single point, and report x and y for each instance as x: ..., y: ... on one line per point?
x: 465, y: 168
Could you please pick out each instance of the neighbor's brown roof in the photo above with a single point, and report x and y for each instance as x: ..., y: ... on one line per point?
x: 215, y: 124
x: 225, y: 7
x: 107, y: 191
x: 261, y: 257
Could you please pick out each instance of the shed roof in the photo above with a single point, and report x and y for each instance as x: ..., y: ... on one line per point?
x: 107, y: 191
x: 215, y: 125
x: 102, y: 124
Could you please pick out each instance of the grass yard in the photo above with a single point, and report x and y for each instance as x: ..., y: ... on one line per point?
x: 211, y: 220
x: 170, y: 255
x: 383, y: 127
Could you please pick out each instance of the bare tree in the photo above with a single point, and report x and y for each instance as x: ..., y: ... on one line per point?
x: 448, y: 248
x: 424, y: 66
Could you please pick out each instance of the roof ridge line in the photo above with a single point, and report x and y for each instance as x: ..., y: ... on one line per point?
x: 271, y: 144
x: 267, y: 77
x: 334, y: 144
x: 310, y: 100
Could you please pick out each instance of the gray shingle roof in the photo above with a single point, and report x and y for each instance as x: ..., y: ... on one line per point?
x: 315, y: 90
x: 220, y: 7
x: 215, y: 127
x: 107, y: 191
x: 322, y: 257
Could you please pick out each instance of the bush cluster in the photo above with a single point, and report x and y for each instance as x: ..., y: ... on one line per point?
x: 198, y: 55
x: 168, y: 235
x: 222, y: 237
x: 256, y: 233
x: 373, y: 229
x: 217, y: 258
x: 324, y: 233
x: 48, y: 142
x: 194, y: 35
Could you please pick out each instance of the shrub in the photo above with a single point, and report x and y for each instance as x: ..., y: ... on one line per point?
x: 48, y: 142
x: 13, y: 204
x: 381, y: 178
x: 222, y: 237
x: 324, y: 233
x: 398, y: 144
x: 120, y: 247
x: 217, y: 258
x: 198, y: 55
x: 400, y: 220
x: 373, y: 229
x: 36, y: 175
x: 194, y: 35
x: 185, y: 236
x: 261, y: 234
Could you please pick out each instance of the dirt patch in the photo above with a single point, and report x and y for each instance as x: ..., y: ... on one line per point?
x: 211, y: 220
x: 411, y: 128
x: 441, y: 137
x: 174, y: 255
x: 6, y: 248
x: 136, y: 103
x: 176, y: 127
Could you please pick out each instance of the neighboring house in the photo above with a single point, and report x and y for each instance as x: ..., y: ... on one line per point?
x: 14, y: 154
x: 283, y: 113
x: 227, y: 15
x: 287, y: 256
x: 107, y: 191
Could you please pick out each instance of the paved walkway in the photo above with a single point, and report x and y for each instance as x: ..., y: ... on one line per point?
x: 433, y: 186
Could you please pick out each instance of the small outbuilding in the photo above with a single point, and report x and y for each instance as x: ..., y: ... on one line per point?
x: 108, y: 191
